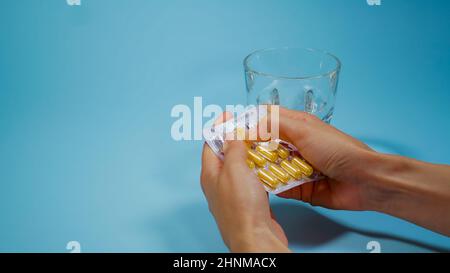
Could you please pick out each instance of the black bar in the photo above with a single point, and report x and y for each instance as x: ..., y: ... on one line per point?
x: 207, y: 262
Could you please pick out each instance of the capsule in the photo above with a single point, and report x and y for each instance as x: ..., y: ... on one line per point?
x: 292, y: 170
x: 272, y: 156
x: 257, y: 158
x: 279, y: 173
x: 250, y: 164
x: 240, y: 133
x: 305, y: 167
x: 268, y: 178
x: 283, y: 152
x: 272, y: 145
x: 248, y: 144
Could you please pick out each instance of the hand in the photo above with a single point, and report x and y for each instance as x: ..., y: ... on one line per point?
x: 239, y: 202
x: 338, y: 156
x: 359, y: 178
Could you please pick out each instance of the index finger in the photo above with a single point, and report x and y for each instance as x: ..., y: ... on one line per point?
x: 211, y: 164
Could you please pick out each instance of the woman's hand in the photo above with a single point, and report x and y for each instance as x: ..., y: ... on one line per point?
x: 359, y: 178
x: 338, y: 156
x: 239, y: 202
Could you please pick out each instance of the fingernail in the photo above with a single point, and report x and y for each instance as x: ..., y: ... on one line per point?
x: 225, y: 146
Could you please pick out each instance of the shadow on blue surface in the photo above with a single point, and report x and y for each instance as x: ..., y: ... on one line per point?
x: 193, y: 229
x: 189, y: 228
x: 391, y: 147
x: 311, y: 229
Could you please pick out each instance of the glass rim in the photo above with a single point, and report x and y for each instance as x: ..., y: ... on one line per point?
x: 265, y: 74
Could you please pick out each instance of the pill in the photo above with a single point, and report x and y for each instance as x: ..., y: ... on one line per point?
x: 250, y: 164
x: 279, y: 173
x: 248, y: 144
x: 257, y: 158
x: 291, y: 169
x: 283, y: 152
x: 240, y: 133
x: 305, y: 167
x: 268, y: 178
x: 272, y: 145
x: 272, y: 156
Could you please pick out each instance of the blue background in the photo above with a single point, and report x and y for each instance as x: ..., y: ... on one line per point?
x: 86, y: 93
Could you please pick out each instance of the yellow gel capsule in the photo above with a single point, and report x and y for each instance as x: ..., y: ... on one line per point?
x: 268, y: 178
x: 257, y: 158
x: 240, y: 133
x: 250, y: 164
x: 272, y: 145
x: 279, y: 173
x: 283, y: 152
x: 248, y: 144
x: 268, y: 154
x: 291, y: 169
x: 305, y: 167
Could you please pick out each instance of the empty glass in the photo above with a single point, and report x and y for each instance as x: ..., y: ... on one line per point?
x: 295, y: 78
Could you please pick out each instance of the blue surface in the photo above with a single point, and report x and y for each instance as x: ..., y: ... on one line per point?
x: 86, y: 93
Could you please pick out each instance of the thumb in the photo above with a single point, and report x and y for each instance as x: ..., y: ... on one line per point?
x: 235, y: 165
x: 235, y: 152
x: 291, y: 125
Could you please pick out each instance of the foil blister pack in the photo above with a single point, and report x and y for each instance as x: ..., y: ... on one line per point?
x: 278, y: 164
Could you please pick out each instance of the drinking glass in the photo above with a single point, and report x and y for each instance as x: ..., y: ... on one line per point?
x: 295, y: 78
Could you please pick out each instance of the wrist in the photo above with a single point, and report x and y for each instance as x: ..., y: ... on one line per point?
x: 257, y: 239
x: 384, y: 180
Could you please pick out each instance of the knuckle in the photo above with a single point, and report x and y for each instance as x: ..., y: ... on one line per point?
x: 230, y: 166
x: 203, y: 177
x: 308, y: 118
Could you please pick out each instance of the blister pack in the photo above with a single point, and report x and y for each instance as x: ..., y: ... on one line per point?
x: 277, y: 163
